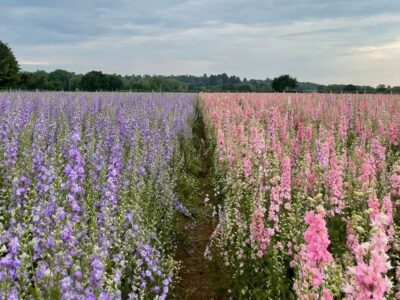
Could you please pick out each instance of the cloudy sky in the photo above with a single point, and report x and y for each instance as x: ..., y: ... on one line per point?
x: 321, y: 41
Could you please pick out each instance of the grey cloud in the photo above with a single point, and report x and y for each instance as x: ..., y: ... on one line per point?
x: 314, y: 40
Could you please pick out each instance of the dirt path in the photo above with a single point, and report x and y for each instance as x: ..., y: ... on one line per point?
x: 200, y: 279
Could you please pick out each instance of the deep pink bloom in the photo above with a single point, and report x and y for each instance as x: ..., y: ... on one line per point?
x: 286, y: 179
x: 315, y: 255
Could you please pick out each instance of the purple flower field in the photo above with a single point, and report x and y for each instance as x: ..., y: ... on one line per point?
x: 87, y: 193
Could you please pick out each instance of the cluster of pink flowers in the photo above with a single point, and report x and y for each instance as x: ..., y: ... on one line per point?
x: 274, y: 207
x: 335, y: 183
x: 286, y: 182
x: 379, y: 152
x: 395, y: 184
x: 314, y: 257
x: 368, y: 278
x: 343, y: 128
x: 393, y: 138
x: 247, y: 167
x: 316, y: 253
x: 378, y: 149
x: 368, y: 170
x: 259, y: 234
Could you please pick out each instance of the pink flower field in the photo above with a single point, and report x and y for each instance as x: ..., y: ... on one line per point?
x: 308, y: 189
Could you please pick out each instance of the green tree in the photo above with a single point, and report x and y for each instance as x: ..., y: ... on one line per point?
x: 113, y: 82
x: 93, y: 81
x: 171, y: 85
x: 396, y: 89
x: 74, y: 83
x: 8, y: 67
x: 350, y: 88
x: 59, y: 79
x: 39, y: 80
x: 55, y: 85
x: 283, y: 83
x: 24, y: 80
x: 381, y: 88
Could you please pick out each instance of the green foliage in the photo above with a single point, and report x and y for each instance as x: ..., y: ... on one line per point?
x: 8, y: 67
x: 284, y: 83
x: 350, y: 88
x: 38, y: 80
x: 382, y: 88
x: 59, y: 80
x: 93, y: 81
x: 74, y: 82
x: 113, y: 82
x: 337, y: 234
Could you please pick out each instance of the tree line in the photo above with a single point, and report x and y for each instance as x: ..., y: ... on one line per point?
x: 62, y: 80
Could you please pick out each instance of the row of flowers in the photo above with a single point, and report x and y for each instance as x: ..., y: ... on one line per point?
x: 309, y: 189
x: 87, y: 194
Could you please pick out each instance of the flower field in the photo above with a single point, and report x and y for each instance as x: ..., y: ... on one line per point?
x: 308, y: 188
x: 87, y: 194
x: 305, y: 197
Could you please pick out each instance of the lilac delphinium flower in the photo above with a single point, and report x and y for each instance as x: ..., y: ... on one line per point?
x: 97, y: 272
x: 181, y: 208
x: 10, y: 264
x: 75, y: 172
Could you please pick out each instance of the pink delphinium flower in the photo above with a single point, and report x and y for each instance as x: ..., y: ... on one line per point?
x: 260, y: 236
x: 327, y: 295
x: 351, y: 239
x: 343, y: 128
x: 335, y: 183
x: 308, y: 135
x: 316, y: 254
x: 387, y: 208
x: 285, y: 187
x: 377, y: 149
x: 257, y: 141
x: 393, y: 139
x: 368, y: 278
x: 308, y: 178
x: 373, y: 204
x: 300, y: 132
x: 283, y: 128
x: 379, y: 153
x: 272, y: 121
x: 314, y: 257
x: 295, y: 149
x: 276, y: 145
x: 382, y: 128
x: 240, y: 134
x: 274, y: 207
x: 247, y: 167
x: 368, y: 170
x: 397, y: 295
x: 395, y: 184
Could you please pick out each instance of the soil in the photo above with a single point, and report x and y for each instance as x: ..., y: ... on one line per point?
x: 198, y: 277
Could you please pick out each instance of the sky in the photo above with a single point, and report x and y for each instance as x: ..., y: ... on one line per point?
x: 314, y: 40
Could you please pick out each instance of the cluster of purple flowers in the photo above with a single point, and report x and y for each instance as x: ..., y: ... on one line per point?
x: 85, y: 179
